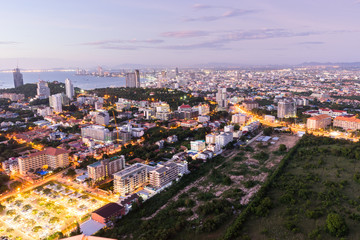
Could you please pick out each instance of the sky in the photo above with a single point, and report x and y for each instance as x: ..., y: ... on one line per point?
x: 86, y: 33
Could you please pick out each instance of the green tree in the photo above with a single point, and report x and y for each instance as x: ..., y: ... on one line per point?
x: 336, y: 225
x: 282, y: 148
x: 268, y: 131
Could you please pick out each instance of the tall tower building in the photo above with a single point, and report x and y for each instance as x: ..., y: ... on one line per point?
x: 18, y: 78
x: 221, y: 98
x: 133, y: 79
x: 43, y: 90
x: 56, y: 102
x: 69, y: 88
x: 286, y: 108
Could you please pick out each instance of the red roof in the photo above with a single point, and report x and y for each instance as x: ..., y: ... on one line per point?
x: 55, y: 151
x: 185, y: 106
x: 49, y: 151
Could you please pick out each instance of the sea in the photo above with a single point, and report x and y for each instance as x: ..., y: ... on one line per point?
x: 85, y: 82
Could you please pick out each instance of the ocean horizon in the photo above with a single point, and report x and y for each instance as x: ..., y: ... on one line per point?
x: 85, y: 82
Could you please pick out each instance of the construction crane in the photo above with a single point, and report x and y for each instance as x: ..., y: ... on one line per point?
x: 117, y: 130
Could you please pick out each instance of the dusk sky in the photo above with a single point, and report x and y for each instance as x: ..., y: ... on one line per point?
x: 87, y: 33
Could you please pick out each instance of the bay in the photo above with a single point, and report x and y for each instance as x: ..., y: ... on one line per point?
x: 85, y: 82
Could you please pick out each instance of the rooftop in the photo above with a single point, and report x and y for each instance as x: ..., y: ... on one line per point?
x: 108, y: 210
x: 319, y: 117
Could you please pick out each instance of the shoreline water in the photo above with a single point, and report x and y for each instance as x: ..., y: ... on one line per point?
x: 85, y: 82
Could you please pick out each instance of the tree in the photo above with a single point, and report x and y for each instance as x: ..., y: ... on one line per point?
x: 268, y: 131
x: 336, y: 225
x: 282, y: 148
x: 70, y: 173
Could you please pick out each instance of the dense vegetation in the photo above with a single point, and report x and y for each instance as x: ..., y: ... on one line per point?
x: 312, y: 195
x: 29, y: 89
x: 173, y: 97
x: 169, y: 221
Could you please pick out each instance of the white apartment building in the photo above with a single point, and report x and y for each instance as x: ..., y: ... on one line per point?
x: 224, y: 138
x: 105, y: 168
x: 97, y: 132
x: 197, y: 145
x: 69, y: 88
x: 131, y: 178
x: 56, y: 102
x: 44, y: 111
x: 239, y: 118
x: 164, y: 174
x: 43, y: 90
x: 229, y: 128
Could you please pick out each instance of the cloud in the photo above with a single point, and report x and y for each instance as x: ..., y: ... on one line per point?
x: 184, y: 34
x: 133, y: 41
x: 215, y: 45
x: 228, y: 14
x: 116, y: 47
x: 219, y: 43
x: 201, y: 6
x: 7, y: 42
x: 311, y: 43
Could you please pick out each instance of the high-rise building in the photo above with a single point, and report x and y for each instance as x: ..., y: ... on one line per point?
x: 97, y: 132
x: 286, y: 108
x: 133, y: 79
x: 131, y: 178
x: 43, y: 90
x: 105, y: 168
x: 18, y: 78
x: 221, y: 98
x: 164, y: 174
x: 69, y: 88
x: 239, y: 118
x: 56, y: 102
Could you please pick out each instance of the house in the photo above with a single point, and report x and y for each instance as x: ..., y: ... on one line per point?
x: 107, y: 213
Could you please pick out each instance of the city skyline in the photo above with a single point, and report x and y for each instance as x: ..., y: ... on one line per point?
x: 87, y: 33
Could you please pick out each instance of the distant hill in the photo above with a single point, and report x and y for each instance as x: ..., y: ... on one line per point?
x: 341, y: 64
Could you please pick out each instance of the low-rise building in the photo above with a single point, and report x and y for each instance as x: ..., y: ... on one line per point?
x: 197, y: 145
x: 269, y: 118
x: 319, y: 121
x: 349, y: 122
x: 51, y: 157
x: 106, y: 214
x: 204, y: 118
x: 229, y: 128
x: 250, y: 105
